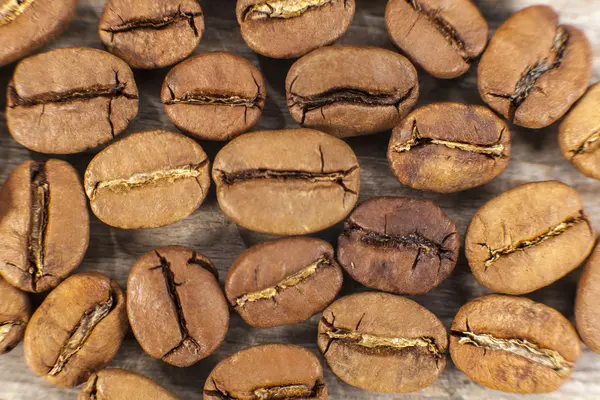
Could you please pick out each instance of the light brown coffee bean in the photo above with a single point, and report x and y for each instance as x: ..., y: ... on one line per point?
x: 528, y: 237
x: 118, y: 384
x: 15, y: 311
x: 587, y: 313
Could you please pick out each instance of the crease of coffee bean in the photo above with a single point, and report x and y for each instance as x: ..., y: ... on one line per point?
x: 194, y: 260
x: 93, y: 392
x: 281, y: 392
x: 187, y: 341
x: 10, y: 10
x: 157, y: 23
x: 550, y: 233
x: 526, y: 84
x: 283, y: 9
x: 7, y: 326
x: 289, y: 281
x: 520, y: 347
x: 586, y: 145
x: 82, y: 331
x: 38, y: 223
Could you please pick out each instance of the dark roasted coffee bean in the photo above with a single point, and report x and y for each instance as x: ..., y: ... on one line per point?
x: 77, y: 330
x: 269, y: 372
x: 449, y: 147
x: 535, y: 69
x: 149, y: 33
x: 44, y: 225
x: 283, y: 281
x: 442, y: 36
x: 118, y: 384
x: 214, y: 96
x: 399, y: 245
x: 292, y: 28
x: 382, y: 342
x: 513, y: 344
x: 350, y: 91
x: 147, y: 180
x: 69, y: 100
x: 286, y: 182
x: 15, y: 311
x: 26, y: 25
x: 175, y: 305
x: 587, y: 312
x: 528, y: 237
x: 579, y: 134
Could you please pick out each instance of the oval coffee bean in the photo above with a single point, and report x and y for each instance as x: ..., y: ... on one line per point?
x: 175, y: 305
x: 443, y: 37
x: 147, y: 180
x: 513, y: 344
x: 15, y: 311
x: 286, y: 182
x: 579, y: 134
x: 528, y: 237
x: 214, y: 96
x: 26, y: 25
x: 399, y: 245
x: 268, y: 371
x: 44, y: 229
x: 283, y: 281
x: 534, y: 69
x: 350, y: 91
x: 77, y: 330
x: 381, y: 342
x: 587, y: 313
x: 150, y: 34
x: 449, y: 147
x: 292, y: 28
x: 118, y: 384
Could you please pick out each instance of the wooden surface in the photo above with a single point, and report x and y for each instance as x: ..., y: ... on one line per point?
x: 535, y: 157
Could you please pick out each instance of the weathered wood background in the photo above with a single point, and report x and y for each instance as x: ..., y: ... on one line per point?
x: 535, y: 157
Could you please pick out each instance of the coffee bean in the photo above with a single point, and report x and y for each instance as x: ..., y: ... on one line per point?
x: 579, y: 134
x: 283, y: 281
x: 269, y: 371
x: 147, y: 180
x: 587, y: 313
x: 70, y: 100
x: 528, y: 237
x: 449, y: 147
x: 44, y: 228
x: 443, y: 37
x: 513, y: 344
x: 535, y: 69
x: 77, y: 330
x: 214, y: 96
x: 350, y: 91
x: 292, y: 28
x: 399, y: 245
x: 286, y: 182
x: 26, y: 25
x: 15, y: 311
x: 382, y: 342
x: 118, y: 384
x: 175, y: 305
x: 150, y: 34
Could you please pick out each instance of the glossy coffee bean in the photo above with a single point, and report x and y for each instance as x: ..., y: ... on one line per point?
x: 15, y: 312
x: 118, y: 384
x: 587, y: 313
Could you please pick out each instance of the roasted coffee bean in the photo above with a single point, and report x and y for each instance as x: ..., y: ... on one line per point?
x: 283, y: 281
x: 147, y: 180
x: 175, y: 305
x: 292, y: 28
x: 214, y: 96
x: 442, y: 36
x: 286, y: 182
x: 70, y: 100
x: 579, y: 134
x: 449, y: 147
x: 26, y: 25
x: 151, y: 34
x: 528, y: 237
x: 44, y: 225
x: 77, y: 330
x: 15, y: 311
x: 382, y: 342
x: 399, y: 245
x: 513, y: 344
x: 587, y: 313
x: 350, y: 91
x: 118, y: 384
x: 270, y: 372
x: 535, y: 69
